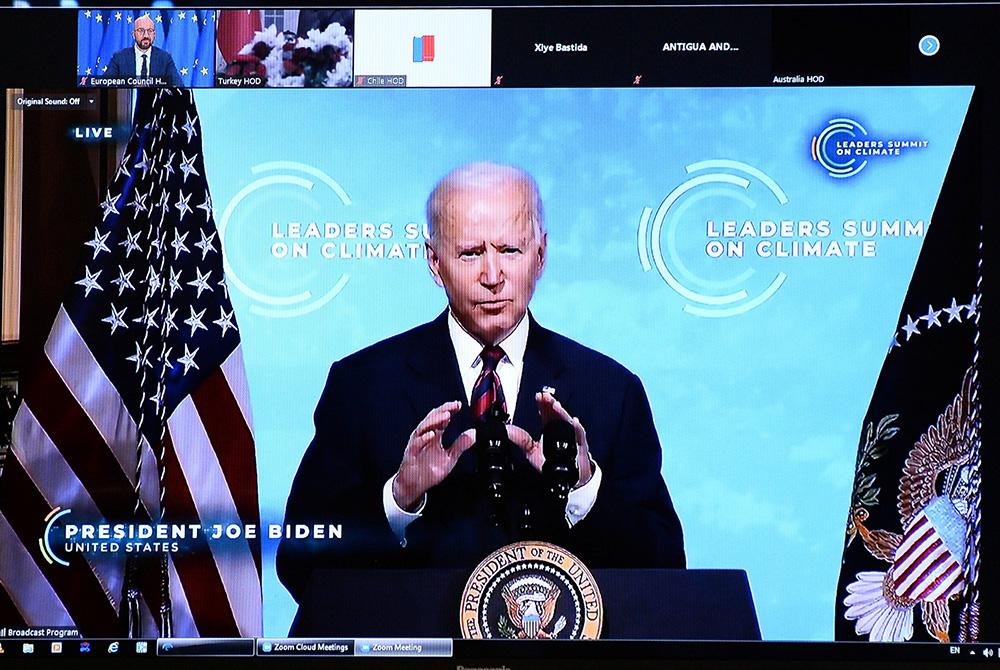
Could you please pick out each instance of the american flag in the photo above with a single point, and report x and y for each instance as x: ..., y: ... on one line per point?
x: 140, y: 410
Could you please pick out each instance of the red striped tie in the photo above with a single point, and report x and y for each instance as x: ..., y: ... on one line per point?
x: 487, y: 390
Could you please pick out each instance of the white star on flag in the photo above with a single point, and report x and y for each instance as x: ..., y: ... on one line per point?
x: 187, y: 166
x: 187, y: 360
x: 225, y: 321
x: 178, y: 243
x: 152, y: 281
x: 206, y: 243
x: 158, y: 242
x: 109, y: 206
x: 195, y: 321
x: 954, y: 312
x: 189, y: 127
x: 131, y: 243
x: 123, y: 169
x: 207, y: 206
x: 157, y: 398
x: 139, y: 203
x: 140, y: 358
x: 89, y: 282
x: 973, y: 305
x: 201, y: 282
x: 148, y: 318
x: 168, y: 321
x: 175, y: 282
x: 98, y: 243
x: 932, y: 316
x: 143, y: 163
x: 182, y: 205
x: 124, y: 280
x: 116, y: 319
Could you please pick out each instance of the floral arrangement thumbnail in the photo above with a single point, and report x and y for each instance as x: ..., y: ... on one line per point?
x: 320, y: 59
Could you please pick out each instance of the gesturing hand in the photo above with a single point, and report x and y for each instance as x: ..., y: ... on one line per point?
x: 550, y: 409
x: 426, y: 462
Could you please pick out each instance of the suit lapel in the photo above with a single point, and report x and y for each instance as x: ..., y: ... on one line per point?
x: 434, y: 378
x: 543, y: 366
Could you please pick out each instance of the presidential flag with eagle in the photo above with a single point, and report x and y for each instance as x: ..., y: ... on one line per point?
x: 914, y: 539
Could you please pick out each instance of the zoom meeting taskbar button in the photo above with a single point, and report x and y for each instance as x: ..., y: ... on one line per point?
x: 403, y: 647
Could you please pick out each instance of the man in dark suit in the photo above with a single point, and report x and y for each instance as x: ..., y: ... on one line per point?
x: 396, y: 418
x: 143, y: 60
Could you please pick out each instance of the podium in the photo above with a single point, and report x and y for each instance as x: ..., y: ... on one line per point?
x: 638, y: 604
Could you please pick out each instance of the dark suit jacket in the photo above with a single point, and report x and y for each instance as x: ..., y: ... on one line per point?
x: 160, y: 65
x: 375, y: 398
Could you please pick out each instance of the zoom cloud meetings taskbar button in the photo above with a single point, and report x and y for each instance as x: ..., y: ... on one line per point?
x: 300, y: 646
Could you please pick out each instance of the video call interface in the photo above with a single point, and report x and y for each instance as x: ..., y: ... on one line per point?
x: 658, y: 325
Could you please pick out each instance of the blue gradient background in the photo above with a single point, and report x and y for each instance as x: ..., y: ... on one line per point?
x: 758, y: 414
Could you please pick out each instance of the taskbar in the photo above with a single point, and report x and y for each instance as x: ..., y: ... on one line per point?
x: 456, y: 649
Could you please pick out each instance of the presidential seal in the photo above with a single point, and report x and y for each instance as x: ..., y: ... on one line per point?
x: 531, y: 591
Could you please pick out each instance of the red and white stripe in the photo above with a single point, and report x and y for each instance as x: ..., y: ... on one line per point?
x: 74, y: 447
x: 924, y: 568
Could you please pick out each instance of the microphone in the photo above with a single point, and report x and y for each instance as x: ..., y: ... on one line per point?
x: 492, y: 458
x: 560, y: 470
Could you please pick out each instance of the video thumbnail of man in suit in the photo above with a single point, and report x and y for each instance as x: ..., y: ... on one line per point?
x: 143, y: 60
x: 141, y: 48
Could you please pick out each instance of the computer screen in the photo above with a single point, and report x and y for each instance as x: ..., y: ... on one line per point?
x: 457, y: 335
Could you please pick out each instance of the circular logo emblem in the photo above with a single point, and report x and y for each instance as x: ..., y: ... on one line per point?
x: 825, y: 147
x: 531, y: 590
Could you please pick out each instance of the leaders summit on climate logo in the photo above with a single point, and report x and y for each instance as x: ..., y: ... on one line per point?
x: 844, y: 147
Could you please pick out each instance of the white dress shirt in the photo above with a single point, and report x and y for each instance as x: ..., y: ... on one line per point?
x: 468, y: 351
x: 139, y: 53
